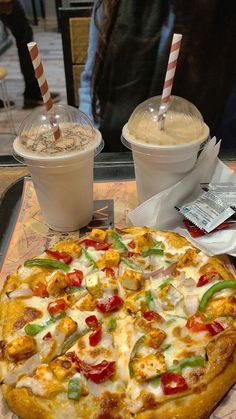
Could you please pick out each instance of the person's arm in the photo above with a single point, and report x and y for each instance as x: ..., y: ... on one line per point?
x: 86, y: 76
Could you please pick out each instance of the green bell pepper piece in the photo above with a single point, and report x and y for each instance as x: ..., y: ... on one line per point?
x: 33, y: 329
x: 89, y: 258
x: 131, y: 264
x: 135, y: 349
x: 166, y: 282
x: 155, y: 382
x: 112, y: 323
x: 70, y: 341
x: 231, y: 283
x: 71, y: 290
x: 74, y: 388
x: 50, y: 263
x: 194, y: 361
x: 150, y: 252
x: 117, y: 242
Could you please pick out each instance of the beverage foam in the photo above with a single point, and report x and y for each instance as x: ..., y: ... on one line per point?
x: 41, y: 142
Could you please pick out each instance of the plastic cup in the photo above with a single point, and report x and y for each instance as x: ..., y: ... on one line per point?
x: 163, y: 157
x: 62, y: 172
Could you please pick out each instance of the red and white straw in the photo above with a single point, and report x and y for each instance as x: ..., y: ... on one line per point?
x: 43, y: 85
x: 169, y: 79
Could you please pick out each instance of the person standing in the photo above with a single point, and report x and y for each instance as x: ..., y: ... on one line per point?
x: 13, y: 16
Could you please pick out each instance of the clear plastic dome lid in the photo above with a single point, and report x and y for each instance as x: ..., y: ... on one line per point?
x: 36, y: 133
x: 182, y: 123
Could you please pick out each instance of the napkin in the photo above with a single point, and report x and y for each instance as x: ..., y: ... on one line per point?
x: 159, y: 212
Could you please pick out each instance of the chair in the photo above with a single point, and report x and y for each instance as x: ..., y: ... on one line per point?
x: 74, y: 23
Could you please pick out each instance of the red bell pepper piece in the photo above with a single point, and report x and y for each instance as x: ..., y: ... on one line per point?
x: 47, y: 336
x: 195, y: 323
x: 110, y: 273
x: 172, y: 383
x: 97, y: 373
x: 75, y: 278
x: 152, y: 315
x: 132, y: 244
x: 57, y: 306
x: 96, y: 245
x: 214, y: 328
x: 63, y: 256
x: 93, y: 323
x: 40, y: 290
x: 206, y: 278
x: 110, y: 304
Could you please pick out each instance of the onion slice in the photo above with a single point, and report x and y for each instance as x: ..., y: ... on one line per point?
x: 21, y: 292
x: 191, y: 304
x: 28, y: 367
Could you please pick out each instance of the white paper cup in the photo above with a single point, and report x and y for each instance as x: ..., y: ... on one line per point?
x: 159, y: 167
x: 64, y: 185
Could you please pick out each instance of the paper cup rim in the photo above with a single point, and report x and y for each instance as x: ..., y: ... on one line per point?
x: 129, y: 142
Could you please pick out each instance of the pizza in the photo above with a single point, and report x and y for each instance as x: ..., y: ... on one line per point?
x: 125, y: 323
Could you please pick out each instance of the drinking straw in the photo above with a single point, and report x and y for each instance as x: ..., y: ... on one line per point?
x: 43, y: 85
x: 169, y: 79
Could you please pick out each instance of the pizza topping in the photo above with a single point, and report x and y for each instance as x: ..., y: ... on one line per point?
x: 21, y: 348
x: 97, y: 373
x: 131, y: 280
x: 152, y: 315
x: 172, y: 383
x: 74, y: 387
x: 196, y: 324
x: 191, y: 304
x: 170, y: 297
x: 118, y: 244
x: 63, y: 256
x: 99, y: 235
x: 154, y: 251
x: 96, y: 245
x: 48, y: 336
x: 28, y: 367
x: 67, y: 325
x: 110, y: 304
x: 93, y: 284
x: 155, y: 338
x: 20, y: 292
x: 93, y: 323
x: 40, y: 290
x: 75, y: 278
x: 112, y: 323
x: 194, y: 361
x: 56, y: 307
x: 214, y: 328
x: 89, y: 259
x: 32, y: 329
x: 207, y: 277
x: 110, y: 273
x: 149, y: 366
x: 50, y: 263
x: 213, y: 290
x: 57, y: 283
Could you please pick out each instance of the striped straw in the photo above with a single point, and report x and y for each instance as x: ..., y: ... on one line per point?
x: 43, y: 85
x: 169, y: 79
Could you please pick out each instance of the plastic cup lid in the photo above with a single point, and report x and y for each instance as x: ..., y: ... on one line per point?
x: 36, y: 135
x: 182, y: 124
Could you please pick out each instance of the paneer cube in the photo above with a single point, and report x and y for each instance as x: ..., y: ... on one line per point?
x: 143, y: 242
x: 87, y: 303
x: 149, y: 366
x: 111, y: 258
x: 98, y: 235
x: 67, y: 325
x: 62, y: 367
x: 69, y: 247
x: 135, y: 302
x: 155, y: 338
x: 131, y: 280
x: 169, y: 297
x: 57, y: 283
x: 93, y: 284
x: 21, y: 348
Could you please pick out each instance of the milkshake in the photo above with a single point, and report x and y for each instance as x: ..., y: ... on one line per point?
x: 162, y: 157
x: 61, y: 170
